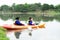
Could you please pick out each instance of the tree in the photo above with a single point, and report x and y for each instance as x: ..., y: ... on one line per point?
x: 57, y: 7
x: 45, y: 7
x: 5, y: 7
x: 19, y: 8
x: 32, y: 7
x: 51, y: 7
x: 0, y: 8
x: 26, y: 7
x: 38, y: 6
x: 13, y: 7
x: 35, y: 7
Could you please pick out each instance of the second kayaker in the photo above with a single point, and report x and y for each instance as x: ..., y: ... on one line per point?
x: 30, y: 22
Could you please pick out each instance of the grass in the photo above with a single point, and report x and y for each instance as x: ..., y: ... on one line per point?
x: 3, y: 34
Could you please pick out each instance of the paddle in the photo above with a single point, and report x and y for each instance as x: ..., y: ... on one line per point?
x: 36, y: 23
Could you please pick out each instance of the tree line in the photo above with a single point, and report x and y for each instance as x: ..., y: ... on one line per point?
x: 29, y: 7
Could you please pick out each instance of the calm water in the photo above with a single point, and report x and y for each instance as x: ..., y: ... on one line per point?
x: 51, y: 32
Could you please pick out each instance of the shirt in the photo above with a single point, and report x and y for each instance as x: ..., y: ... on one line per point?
x: 30, y: 22
x: 17, y: 22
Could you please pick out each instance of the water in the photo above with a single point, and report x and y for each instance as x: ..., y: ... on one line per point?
x: 51, y: 32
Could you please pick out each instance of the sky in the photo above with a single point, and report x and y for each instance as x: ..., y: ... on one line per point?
x: 10, y: 2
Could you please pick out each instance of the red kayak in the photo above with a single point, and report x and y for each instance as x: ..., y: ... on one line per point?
x: 17, y: 27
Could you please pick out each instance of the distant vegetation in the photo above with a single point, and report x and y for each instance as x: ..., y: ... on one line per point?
x: 29, y: 7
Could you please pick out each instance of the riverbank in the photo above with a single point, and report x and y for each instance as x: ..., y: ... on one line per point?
x: 37, y: 15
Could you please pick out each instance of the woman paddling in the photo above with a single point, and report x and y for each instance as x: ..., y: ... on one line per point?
x: 30, y: 22
x: 17, y: 22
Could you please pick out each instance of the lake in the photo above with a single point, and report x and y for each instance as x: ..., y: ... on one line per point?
x: 50, y: 32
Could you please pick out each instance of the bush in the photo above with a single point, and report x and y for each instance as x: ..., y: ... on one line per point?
x: 3, y: 34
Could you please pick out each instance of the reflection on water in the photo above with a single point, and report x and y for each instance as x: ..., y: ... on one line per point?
x: 51, y: 32
x: 17, y: 34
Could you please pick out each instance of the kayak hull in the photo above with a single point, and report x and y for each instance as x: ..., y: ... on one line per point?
x: 16, y: 27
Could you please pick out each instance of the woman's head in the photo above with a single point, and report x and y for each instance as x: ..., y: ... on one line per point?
x: 30, y: 18
x: 17, y: 18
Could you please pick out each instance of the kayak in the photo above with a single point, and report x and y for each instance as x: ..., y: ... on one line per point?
x: 17, y: 27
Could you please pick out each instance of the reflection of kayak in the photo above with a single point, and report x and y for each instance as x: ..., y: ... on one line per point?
x: 16, y: 27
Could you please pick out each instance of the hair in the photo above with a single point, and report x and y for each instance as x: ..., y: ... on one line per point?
x: 30, y: 18
x: 17, y: 18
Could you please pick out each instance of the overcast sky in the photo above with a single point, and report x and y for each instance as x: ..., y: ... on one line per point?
x: 10, y: 2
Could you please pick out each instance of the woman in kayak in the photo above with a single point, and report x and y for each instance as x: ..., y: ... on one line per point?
x: 30, y: 22
x: 17, y: 22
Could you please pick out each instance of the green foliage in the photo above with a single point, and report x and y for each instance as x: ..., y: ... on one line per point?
x: 57, y: 8
x: 45, y: 7
x: 4, y: 8
x: 51, y: 7
x: 29, y: 7
x: 3, y: 34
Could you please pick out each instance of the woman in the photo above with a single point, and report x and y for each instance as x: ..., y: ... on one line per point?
x: 30, y: 22
x: 17, y: 22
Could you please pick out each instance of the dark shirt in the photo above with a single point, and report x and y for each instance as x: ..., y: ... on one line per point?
x: 30, y: 22
x: 17, y: 22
